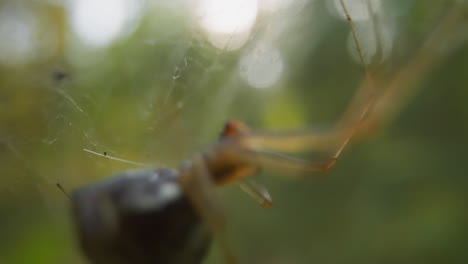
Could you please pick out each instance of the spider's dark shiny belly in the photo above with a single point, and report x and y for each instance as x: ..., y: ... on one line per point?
x: 139, y: 217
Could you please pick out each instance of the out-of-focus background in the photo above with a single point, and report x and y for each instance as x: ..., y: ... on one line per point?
x: 154, y: 81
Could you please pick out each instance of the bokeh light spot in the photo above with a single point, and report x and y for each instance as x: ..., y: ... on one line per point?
x: 97, y: 23
x: 227, y: 23
x: 18, y: 31
x: 358, y: 9
x: 376, y: 45
x: 262, y: 66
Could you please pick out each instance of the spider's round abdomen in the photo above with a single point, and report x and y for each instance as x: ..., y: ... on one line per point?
x: 139, y: 217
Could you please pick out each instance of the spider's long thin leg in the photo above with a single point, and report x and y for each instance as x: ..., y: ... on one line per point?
x: 198, y: 185
x: 369, y: 111
x: 284, y: 164
x: 403, y: 85
x: 355, y: 37
x: 257, y: 192
x: 333, y: 140
x: 334, y: 143
x: 233, y: 129
x: 364, y: 98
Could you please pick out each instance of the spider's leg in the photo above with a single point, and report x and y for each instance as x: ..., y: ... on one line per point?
x: 240, y: 176
x: 335, y: 142
x: 240, y: 172
x: 257, y: 192
x: 284, y: 164
x: 198, y: 185
x: 404, y: 84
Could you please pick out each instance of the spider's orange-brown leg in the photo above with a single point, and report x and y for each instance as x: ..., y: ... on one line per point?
x: 257, y: 192
x: 403, y: 85
x: 231, y: 130
x: 197, y: 183
x: 336, y: 139
x: 284, y: 164
x: 277, y: 161
x: 366, y: 113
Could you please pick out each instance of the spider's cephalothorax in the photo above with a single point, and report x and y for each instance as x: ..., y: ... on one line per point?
x: 139, y: 217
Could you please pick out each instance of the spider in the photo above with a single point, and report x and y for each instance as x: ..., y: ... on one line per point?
x: 144, y: 216
x: 170, y: 216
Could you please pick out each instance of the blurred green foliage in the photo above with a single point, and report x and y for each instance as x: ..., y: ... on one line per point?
x: 163, y: 93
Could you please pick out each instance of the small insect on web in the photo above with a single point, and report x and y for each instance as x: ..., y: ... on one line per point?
x: 170, y: 216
